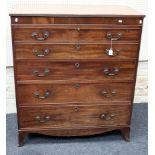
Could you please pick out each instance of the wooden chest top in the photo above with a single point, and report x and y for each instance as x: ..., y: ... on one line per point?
x: 74, y: 10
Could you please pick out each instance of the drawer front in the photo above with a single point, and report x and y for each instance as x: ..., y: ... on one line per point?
x: 73, y: 93
x: 75, y: 35
x: 75, y: 51
x: 96, y: 70
x: 73, y: 116
x: 78, y: 20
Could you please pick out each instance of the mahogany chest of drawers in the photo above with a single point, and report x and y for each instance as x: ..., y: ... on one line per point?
x: 75, y: 69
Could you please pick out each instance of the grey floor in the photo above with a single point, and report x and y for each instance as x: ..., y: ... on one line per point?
x: 104, y: 144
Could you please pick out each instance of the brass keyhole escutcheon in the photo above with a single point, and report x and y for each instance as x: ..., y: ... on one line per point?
x: 77, y: 86
x: 78, y: 29
x: 77, y: 65
x: 77, y: 46
x: 76, y: 109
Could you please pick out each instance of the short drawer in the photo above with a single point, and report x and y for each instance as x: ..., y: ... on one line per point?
x: 75, y: 51
x: 35, y: 94
x: 46, y: 34
x: 74, y: 70
x: 73, y: 116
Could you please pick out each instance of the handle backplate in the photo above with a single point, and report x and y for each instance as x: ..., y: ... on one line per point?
x: 37, y: 73
x: 42, y: 53
x: 35, y: 35
x: 111, y: 71
x: 108, y: 93
x: 46, y: 94
x: 115, y: 52
x: 107, y: 116
x: 43, y: 119
x: 111, y: 37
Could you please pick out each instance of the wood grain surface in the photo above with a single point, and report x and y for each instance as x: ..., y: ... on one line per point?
x: 78, y: 93
x: 73, y: 116
x: 58, y: 51
x: 75, y: 34
x: 73, y: 70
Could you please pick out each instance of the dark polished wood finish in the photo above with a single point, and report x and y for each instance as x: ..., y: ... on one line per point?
x: 92, y: 51
x: 72, y: 70
x: 67, y: 81
x: 37, y: 94
x: 77, y: 20
x: 73, y: 116
x: 71, y: 34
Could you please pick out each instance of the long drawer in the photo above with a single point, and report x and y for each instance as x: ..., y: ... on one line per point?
x: 73, y: 93
x: 78, y: 20
x: 71, y: 70
x: 75, y: 51
x: 73, y: 116
x: 75, y: 34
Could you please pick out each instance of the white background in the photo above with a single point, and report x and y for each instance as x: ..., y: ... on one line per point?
x: 139, y: 5
x: 151, y: 56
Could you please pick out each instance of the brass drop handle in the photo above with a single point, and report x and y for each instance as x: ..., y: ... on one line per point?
x: 107, y: 116
x: 35, y: 36
x: 110, y: 36
x: 37, y: 95
x: 43, y: 119
x: 111, y: 72
x: 38, y: 74
x: 105, y: 93
x: 112, y: 53
x: 38, y: 53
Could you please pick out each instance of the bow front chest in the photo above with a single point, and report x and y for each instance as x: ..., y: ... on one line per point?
x: 75, y: 68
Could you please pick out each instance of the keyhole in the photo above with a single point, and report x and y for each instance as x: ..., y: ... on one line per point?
x: 77, y: 65
x: 76, y: 109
